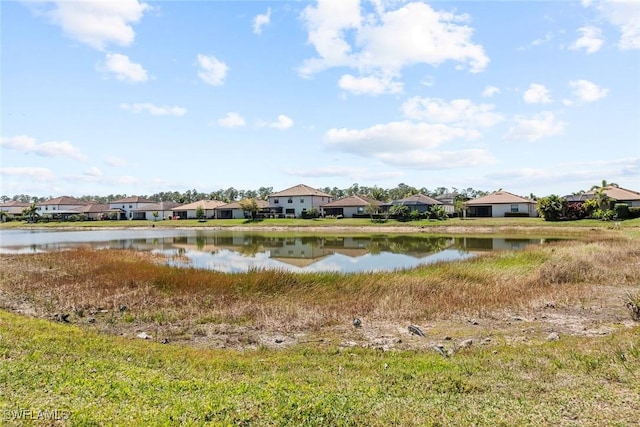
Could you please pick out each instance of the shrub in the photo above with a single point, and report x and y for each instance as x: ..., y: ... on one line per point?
x: 552, y: 207
x: 634, y: 212
x: 73, y: 218
x: 576, y: 211
x: 621, y: 210
x: 633, y: 304
x: 605, y: 215
x: 516, y: 214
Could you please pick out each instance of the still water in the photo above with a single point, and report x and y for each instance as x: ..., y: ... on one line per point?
x: 235, y: 252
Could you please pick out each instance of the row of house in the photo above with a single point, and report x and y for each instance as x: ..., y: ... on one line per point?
x: 295, y: 202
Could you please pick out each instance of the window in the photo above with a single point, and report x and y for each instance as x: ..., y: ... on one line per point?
x: 360, y: 209
x: 130, y: 206
x: 514, y: 208
x: 301, y: 200
x: 290, y: 200
x: 276, y: 201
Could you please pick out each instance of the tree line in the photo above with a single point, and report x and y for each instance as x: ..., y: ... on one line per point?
x: 232, y: 194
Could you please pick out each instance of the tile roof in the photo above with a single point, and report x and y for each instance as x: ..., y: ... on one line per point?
x: 206, y: 204
x: 300, y: 190
x: 162, y: 206
x: 64, y: 200
x: 499, y: 197
x: 352, y: 201
x: 619, y: 193
x: 236, y: 205
x: 94, y: 208
x: 417, y: 199
x: 133, y: 199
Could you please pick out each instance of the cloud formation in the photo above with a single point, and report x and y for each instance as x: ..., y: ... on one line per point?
x: 26, y: 144
x: 381, y: 43
x: 461, y: 112
x: 537, y: 94
x: 590, y: 39
x: 232, y: 120
x: 539, y: 126
x: 211, y: 70
x: 37, y: 174
x: 123, y: 69
x: 625, y: 16
x: 587, y: 91
x: 369, y: 85
x: 260, y: 21
x: 154, y: 110
x: 97, y: 23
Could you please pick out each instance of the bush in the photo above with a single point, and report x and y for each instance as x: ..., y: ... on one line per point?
x: 516, y: 214
x: 552, y: 208
x: 622, y: 210
x: 605, y: 215
x: 634, y: 212
x: 633, y: 304
x: 576, y: 211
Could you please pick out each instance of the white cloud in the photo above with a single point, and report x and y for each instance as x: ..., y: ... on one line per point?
x: 232, y: 120
x: 459, y: 111
x: 282, y: 123
x: 489, y: 91
x: 93, y: 172
x: 539, y: 126
x: 590, y: 39
x: 327, y: 171
x: 97, y: 23
x: 154, y: 110
x: 369, y: 85
x: 27, y: 144
x: 587, y: 91
x: 393, y: 137
x: 439, y: 159
x: 384, y: 42
x: 625, y: 15
x: 124, y: 69
x: 537, y: 94
x: 115, y: 162
x: 37, y: 174
x: 260, y: 21
x: 212, y: 71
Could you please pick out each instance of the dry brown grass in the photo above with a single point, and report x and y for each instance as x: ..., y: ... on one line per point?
x: 84, y: 282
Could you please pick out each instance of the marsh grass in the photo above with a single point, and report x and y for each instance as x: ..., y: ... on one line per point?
x: 86, y: 281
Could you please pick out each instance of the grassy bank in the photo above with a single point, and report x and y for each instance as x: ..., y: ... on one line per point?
x: 102, y: 380
x: 333, y: 223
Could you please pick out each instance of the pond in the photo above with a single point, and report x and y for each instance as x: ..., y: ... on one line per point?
x: 236, y: 251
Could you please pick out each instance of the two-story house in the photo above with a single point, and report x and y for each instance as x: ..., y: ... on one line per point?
x: 293, y: 201
x: 128, y: 205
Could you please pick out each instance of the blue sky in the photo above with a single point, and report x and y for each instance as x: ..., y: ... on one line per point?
x: 134, y: 97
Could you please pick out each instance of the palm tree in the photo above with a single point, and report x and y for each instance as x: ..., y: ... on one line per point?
x: 31, y: 213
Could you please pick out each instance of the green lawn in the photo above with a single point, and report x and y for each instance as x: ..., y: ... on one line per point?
x: 103, y: 380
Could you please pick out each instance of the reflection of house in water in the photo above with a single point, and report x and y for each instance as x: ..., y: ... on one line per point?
x: 493, y: 244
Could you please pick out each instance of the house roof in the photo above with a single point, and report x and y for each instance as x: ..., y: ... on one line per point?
x: 300, y: 190
x: 417, y: 199
x: 94, y: 208
x: 352, y: 201
x: 13, y: 203
x: 499, y: 197
x: 236, y: 205
x: 206, y: 204
x: 583, y: 197
x: 64, y: 200
x: 133, y: 199
x: 618, y: 193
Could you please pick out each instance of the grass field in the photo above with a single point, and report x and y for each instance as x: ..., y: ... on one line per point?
x: 493, y: 317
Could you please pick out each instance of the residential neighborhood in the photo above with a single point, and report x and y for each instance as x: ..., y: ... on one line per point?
x: 302, y: 201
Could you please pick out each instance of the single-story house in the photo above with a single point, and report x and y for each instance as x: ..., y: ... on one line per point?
x: 499, y: 204
x: 350, y: 206
x: 234, y: 210
x: 98, y: 211
x: 296, y: 200
x: 421, y: 203
x: 128, y: 204
x: 188, y: 211
x: 155, y: 211
x: 620, y: 195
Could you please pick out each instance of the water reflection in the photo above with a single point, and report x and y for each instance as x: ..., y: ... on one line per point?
x: 230, y: 251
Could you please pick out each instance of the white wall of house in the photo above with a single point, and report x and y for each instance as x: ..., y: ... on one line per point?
x: 294, y: 205
x: 208, y: 213
x: 129, y: 207
x: 52, y: 209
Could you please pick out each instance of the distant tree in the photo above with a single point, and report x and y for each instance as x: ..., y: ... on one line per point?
x: 31, y: 213
x: 399, y: 212
x: 552, y: 208
x: 263, y: 192
x: 200, y: 214
x: 155, y: 215
x: 251, y: 206
x: 437, y: 212
x: 371, y: 209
